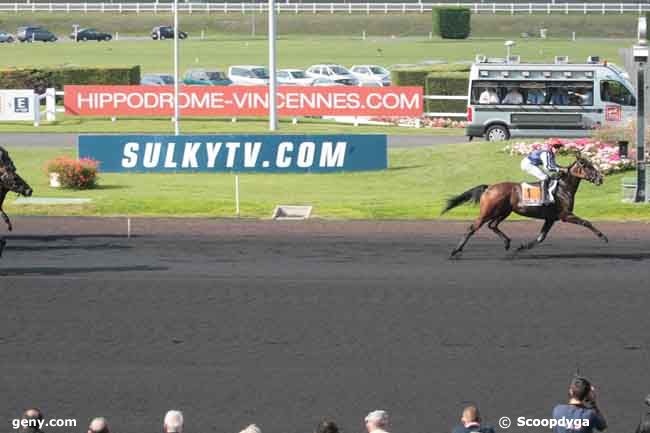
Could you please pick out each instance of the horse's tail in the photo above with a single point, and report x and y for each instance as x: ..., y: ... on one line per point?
x: 473, y: 195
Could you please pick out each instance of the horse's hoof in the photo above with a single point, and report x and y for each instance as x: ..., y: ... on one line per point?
x: 507, y: 245
x: 522, y: 247
x: 455, y: 255
x: 604, y: 238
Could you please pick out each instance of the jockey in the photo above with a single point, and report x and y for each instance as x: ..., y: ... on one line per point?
x: 541, y: 164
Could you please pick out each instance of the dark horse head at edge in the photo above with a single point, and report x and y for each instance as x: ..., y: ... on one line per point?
x: 10, y: 180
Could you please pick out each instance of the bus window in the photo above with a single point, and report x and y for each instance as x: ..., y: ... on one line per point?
x: 613, y: 91
x: 485, y: 93
x: 571, y: 93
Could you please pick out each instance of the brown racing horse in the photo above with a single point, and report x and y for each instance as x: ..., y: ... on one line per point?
x: 9, y: 181
x: 501, y: 199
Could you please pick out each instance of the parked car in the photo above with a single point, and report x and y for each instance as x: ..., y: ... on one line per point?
x: 90, y: 35
x: 248, y: 75
x: 320, y: 82
x: 6, y: 37
x: 371, y: 74
x: 206, y: 77
x: 336, y: 73
x: 166, y: 32
x: 293, y: 77
x: 35, y: 33
x: 157, y: 80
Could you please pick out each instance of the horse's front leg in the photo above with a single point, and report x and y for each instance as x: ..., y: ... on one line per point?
x: 574, y: 219
x: 6, y: 219
x: 540, y: 238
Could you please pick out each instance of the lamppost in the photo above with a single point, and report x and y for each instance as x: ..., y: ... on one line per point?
x: 640, y: 54
x: 273, y: 109
x: 509, y: 45
x: 177, y: 126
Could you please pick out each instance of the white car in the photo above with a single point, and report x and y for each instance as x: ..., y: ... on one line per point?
x: 293, y: 77
x: 320, y: 82
x: 336, y: 73
x: 248, y: 75
x: 367, y: 74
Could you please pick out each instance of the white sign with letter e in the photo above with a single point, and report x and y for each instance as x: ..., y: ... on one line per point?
x: 17, y: 105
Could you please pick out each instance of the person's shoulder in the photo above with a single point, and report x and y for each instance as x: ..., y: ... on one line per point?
x: 486, y: 429
x: 561, y: 408
x: 459, y: 429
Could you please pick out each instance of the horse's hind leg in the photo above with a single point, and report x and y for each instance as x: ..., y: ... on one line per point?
x: 3, y: 242
x: 494, y: 226
x: 477, y: 224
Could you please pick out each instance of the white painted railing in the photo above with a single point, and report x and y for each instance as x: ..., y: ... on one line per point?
x: 330, y: 8
x: 446, y: 98
x: 50, y: 106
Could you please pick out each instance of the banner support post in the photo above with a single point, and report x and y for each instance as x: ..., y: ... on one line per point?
x: 177, y: 119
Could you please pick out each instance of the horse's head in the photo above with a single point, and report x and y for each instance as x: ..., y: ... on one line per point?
x: 582, y: 168
x: 9, y: 179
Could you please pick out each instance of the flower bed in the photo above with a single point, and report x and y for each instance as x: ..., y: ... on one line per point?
x: 422, y: 122
x: 74, y: 173
x: 602, y: 155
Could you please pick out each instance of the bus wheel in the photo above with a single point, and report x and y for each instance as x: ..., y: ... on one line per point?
x: 497, y: 133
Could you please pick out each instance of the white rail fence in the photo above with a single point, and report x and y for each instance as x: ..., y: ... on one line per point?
x: 50, y: 95
x: 331, y: 8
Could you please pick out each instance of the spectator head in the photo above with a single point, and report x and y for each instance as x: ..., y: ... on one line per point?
x: 470, y: 415
x: 173, y: 422
x: 377, y: 420
x: 34, y: 417
x: 326, y: 426
x: 579, y: 389
x: 98, y: 425
x: 253, y: 428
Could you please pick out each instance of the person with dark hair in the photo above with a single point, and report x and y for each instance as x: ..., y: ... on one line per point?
x: 327, y: 426
x: 581, y: 414
x: 471, y: 422
x: 34, y: 421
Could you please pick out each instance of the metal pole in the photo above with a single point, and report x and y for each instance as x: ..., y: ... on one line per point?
x: 640, y: 135
x: 177, y: 119
x: 273, y: 109
x: 237, y: 195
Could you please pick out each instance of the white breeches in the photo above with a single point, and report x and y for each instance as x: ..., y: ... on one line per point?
x: 533, y: 170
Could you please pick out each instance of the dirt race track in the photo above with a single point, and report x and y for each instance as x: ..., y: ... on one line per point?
x: 284, y: 323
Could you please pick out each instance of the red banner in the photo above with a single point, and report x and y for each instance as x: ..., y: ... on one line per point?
x: 232, y: 101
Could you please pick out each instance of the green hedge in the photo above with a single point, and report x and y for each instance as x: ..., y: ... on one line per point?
x: 446, y: 83
x: 40, y: 79
x: 417, y: 76
x: 451, y: 22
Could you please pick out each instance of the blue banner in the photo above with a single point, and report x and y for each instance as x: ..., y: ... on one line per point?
x: 237, y: 153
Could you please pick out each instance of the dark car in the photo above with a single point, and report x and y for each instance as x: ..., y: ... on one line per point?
x: 165, y: 32
x: 35, y: 33
x: 90, y: 35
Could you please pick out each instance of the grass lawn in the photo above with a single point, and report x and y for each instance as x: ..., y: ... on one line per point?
x: 294, y: 51
x: 73, y: 124
x: 415, y: 187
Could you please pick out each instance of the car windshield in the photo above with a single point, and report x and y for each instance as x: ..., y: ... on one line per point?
x: 378, y: 70
x: 167, y: 79
x: 260, y: 73
x: 297, y: 74
x: 215, y: 75
x: 338, y: 70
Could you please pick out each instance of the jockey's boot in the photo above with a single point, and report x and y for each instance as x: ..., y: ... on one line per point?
x: 545, y: 194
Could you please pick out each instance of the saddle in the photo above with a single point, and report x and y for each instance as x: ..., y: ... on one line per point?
x: 531, y: 194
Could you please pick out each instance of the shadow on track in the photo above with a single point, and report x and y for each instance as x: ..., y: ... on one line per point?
x: 597, y: 256
x: 96, y: 247
x: 56, y: 271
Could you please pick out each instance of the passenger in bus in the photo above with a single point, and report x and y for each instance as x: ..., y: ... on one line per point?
x: 606, y: 92
x: 559, y: 96
x: 513, y: 97
x: 582, y: 96
x: 489, y: 96
x: 535, y: 97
